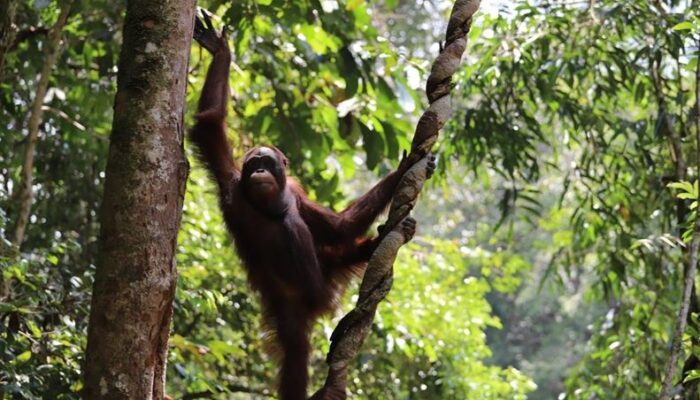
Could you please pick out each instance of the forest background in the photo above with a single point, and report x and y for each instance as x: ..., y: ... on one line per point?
x: 552, y: 242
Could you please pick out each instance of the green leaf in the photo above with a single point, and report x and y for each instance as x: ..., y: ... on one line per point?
x: 7, y: 307
x: 36, y: 332
x: 320, y: 41
x: 24, y: 356
x: 688, y: 190
x: 683, y: 26
x: 692, y: 375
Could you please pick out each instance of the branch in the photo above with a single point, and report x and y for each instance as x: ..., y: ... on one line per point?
x: 590, y: 10
x: 26, y: 34
x: 354, y: 327
x: 691, y: 270
x: 660, y: 7
x: 51, y: 55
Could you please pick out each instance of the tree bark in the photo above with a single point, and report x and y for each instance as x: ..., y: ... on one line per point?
x: 142, y: 207
x: 25, y: 194
x: 8, y: 9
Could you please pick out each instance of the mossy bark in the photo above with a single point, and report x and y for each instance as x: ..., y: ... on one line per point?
x: 142, y: 207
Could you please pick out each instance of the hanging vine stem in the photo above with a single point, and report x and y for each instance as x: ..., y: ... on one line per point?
x: 353, y: 328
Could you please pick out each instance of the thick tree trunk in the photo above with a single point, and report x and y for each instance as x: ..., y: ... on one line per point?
x: 51, y: 51
x: 142, y: 207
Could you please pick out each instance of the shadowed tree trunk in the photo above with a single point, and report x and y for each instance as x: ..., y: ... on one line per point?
x: 142, y: 207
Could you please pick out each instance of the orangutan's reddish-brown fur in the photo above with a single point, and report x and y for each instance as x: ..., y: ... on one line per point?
x: 297, y: 254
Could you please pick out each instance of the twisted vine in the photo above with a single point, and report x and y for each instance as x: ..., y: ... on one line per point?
x: 353, y: 328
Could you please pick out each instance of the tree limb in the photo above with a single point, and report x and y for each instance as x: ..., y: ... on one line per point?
x: 53, y: 48
x: 26, y: 34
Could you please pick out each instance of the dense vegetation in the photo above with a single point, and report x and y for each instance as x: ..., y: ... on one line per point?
x: 552, y: 245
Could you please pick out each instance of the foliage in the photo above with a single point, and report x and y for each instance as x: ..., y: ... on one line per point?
x: 319, y: 79
x: 562, y: 140
x: 594, y: 96
x: 442, y: 338
x: 44, y: 293
x: 430, y: 346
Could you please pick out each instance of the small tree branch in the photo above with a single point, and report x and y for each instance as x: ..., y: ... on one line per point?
x: 26, y: 195
x: 26, y: 34
x: 354, y: 328
x: 590, y: 10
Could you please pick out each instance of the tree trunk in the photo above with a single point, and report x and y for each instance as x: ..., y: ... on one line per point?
x: 8, y: 8
x: 690, y: 272
x: 51, y: 51
x: 142, y: 207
